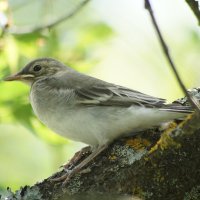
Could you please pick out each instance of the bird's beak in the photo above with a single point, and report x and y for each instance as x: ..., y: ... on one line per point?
x: 17, y: 77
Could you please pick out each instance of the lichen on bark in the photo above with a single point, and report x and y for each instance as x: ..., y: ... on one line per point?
x: 151, y: 165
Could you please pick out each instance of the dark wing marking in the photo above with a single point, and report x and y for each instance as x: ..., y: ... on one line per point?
x: 91, y: 91
x: 114, y: 95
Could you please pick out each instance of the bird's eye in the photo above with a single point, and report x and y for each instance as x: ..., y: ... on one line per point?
x: 37, y: 68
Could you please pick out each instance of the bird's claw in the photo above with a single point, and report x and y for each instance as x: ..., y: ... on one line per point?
x: 61, y: 178
x: 65, y: 177
x: 71, y: 170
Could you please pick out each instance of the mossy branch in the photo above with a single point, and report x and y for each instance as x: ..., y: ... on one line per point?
x: 152, y: 165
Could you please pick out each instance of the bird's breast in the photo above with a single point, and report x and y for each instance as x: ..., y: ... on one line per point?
x: 57, y: 110
x: 48, y: 103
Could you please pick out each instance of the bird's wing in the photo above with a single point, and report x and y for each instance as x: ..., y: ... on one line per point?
x: 109, y: 95
x: 115, y: 95
x: 92, y: 92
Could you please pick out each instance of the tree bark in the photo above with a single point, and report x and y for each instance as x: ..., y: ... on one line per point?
x: 152, y: 165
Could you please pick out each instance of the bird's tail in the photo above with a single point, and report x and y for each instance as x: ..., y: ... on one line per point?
x: 178, y: 108
x: 182, y: 105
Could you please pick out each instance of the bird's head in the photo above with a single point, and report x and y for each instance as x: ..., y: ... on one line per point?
x: 38, y: 69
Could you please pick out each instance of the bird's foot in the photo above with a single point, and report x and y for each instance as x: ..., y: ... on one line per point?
x: 69, y: 173
x: 61, y: 178
x: 70, y: 168
x: 80, y: 162
x: 77, y: 158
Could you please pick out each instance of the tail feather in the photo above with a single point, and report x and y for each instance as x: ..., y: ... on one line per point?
x: 182, y: 105
x: 174, y: 107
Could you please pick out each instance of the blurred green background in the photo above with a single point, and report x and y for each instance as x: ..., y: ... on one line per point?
x: 109, y: 39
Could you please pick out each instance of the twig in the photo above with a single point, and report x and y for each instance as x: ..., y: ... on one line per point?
x: 191, y: 99
x: 194, y: 5
x: 19, y: 31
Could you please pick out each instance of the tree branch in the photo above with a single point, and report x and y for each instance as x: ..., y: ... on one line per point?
x: 194, y: 5
x: 19, y: 31
x: 152, y: 165
x: 191, y: 99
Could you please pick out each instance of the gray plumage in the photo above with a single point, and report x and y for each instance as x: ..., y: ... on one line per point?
x: 90, y: 110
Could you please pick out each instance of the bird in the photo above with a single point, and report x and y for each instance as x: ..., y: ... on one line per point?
x: 89, y: 110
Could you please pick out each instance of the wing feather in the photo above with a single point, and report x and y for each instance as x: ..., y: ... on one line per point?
x: 116, y: 95
x: 91, y: 91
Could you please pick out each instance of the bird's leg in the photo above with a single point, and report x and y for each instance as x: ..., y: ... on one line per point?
x: 76, y: 158
x: 66, y: 177
x: 85, y: 162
